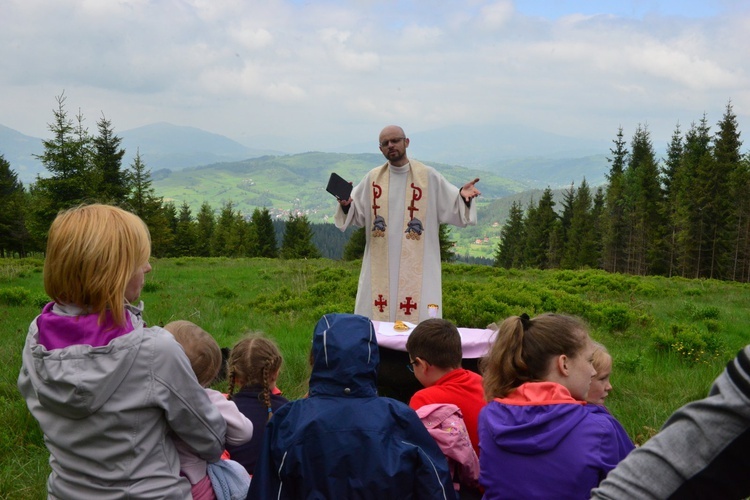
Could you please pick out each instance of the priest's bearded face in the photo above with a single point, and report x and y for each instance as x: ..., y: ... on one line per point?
x: 393, y: 143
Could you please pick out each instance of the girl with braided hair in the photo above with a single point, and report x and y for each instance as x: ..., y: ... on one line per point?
x: 253, y: 368
x: 537, y: 438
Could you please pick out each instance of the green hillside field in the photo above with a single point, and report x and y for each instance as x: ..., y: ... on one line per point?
x: 284, y: 183
x: 670, y: 338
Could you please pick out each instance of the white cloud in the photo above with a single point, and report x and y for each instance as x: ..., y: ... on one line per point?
x: 252, y: 38
x: 416, y: 36
x: 497, y: 14
x: 285, y: 92
x: 250, y: 66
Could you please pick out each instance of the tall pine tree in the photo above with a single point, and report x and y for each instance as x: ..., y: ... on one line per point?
x: 297, y: 242
x: 671, y: 176
x: 144, y: 203
x: 204, y: 228
x: 107, y: 161
x: 223, y: 240
x: 185, y: 234
x: 541, y: 223
x: 643, y: 207
x: 741, y: 193
x: 721, y: 204
x: 446, y: 244
x: 67, y: 158
x: 355, y: 247
x: 265, y: 234
x: 580, y: 247
x: 691, y: 226
x: 14, y: 237
x: 614, y: 229
x: 510, y: 250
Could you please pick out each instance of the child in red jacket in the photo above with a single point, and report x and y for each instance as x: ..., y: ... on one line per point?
x: 435, y: 355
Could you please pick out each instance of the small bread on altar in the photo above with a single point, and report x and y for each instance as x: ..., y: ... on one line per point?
x: 400, y: 326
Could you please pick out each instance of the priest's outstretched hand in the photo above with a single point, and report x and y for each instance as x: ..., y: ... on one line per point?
x: 469, y: 191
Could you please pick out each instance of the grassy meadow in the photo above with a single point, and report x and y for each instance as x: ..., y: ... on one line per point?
x: 669, y: 337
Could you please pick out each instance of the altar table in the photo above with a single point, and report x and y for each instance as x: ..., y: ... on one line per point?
x: 394, y: 378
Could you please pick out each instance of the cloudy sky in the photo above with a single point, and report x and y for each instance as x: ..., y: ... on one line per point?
x: 298, y: 75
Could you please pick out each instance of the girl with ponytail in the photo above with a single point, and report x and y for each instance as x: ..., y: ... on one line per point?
x: 253, y: 368
x: 536, y: 437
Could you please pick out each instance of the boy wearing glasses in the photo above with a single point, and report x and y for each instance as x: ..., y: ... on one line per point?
x: 401, y: 205
x: 435, y: 355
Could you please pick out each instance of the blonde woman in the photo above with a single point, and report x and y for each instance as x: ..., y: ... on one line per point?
x: 104, y: 387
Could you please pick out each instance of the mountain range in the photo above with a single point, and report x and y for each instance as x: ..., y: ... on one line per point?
x: 533, y: 158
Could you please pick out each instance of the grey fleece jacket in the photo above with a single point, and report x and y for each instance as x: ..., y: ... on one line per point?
x: 106, y: 413
x: 701, y: 452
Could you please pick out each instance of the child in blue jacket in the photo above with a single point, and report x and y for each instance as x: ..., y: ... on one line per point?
x: 344, y: 441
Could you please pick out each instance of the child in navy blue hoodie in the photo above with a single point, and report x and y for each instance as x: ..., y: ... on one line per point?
x: 343, y: 440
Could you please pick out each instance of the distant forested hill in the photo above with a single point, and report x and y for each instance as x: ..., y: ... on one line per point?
x: 293, y: 182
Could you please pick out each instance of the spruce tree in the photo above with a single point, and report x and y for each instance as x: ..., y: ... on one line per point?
x: 510, y: 250
x: 204, y: 227
x: 265, y: 234
x: 144, y: 203
x: 580, y: 248
x: 67, y: 157
x: 741, y: 193
x: 297, y: 242
x: 721, y: 203
x: 614, y: 229
x: 644, y: 207
x: 671, y: 176
x: 691, y: 236
x: 14, y: 237
x: 170, y: 212
x: 107, y: 161
x: 355, y: 247
x: 597, y: 212
x: 566, y: 214
x: 447, y: 254
x: 223, y: 234
x: 243, y: 237
x: 185, y: 234
x: 542, y: 247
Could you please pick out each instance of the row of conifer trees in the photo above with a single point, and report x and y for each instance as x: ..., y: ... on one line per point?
x: 85, y: 168
x: 687, y: 214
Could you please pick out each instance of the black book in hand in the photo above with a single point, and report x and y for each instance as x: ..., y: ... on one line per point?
x: 339, y: 187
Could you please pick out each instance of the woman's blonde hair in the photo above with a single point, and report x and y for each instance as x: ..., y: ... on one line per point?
x: 254, y: 360
x: 92, y: 252
x: 201, y: 349
x: 523, y: 347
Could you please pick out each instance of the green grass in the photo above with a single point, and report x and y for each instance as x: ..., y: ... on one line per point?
x: 669, y: 338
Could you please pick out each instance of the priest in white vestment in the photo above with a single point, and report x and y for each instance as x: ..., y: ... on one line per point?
x: 401, y: 205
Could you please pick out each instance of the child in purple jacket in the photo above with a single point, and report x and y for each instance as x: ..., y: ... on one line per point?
x: 536, y: 436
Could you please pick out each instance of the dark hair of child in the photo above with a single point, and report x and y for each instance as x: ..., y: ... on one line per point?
x: 436, y: 341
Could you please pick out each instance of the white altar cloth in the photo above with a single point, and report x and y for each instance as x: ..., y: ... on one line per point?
x: 475, y: 342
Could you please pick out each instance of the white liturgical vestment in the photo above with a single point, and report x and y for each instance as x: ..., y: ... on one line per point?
x: 416, y: 206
